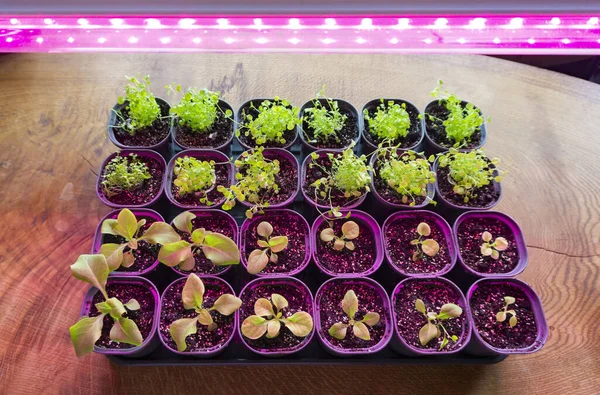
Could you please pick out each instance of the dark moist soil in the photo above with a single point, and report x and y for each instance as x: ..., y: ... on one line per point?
x: 172, y: 310
x: 330, y: 312
x: 149, y: 189
x: 284, y: 224
x: 469, y: 243
x: 313, y: 174
x: 214, y: 196
x: 288, y: 135
x: 348, y: 133
x: 487, y: 300
x: 437, y: 132
x: 486, y: 195
x: 145, y: 255
x: 411, y: 139
x: 214, y: 223
x: 142, y: 317
x: 345, y: 261
x: 409, y: 321
x: 147, y: 136
x: 220, y: 132
x: 397, y: 238
x: 384, y: 190
x: 297, y: 299
x: 287, y: 179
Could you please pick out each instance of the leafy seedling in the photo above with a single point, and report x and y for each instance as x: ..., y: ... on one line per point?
x: 502, y: 314
x: 128, y: 227
x: 192, y: 297
x: 198, y: 109
x: 124, y: 173
x: 359, y: 328
x: 140, y: 105
x: 269, y: 317
x: 93, y: 269
x: 390, y: 123
x: 217, y: 248
x: 258, y: 259
x: 193, y: 176
x: 492, y: 248
x: 428, y: 247
x: 274, y: 118
x: 431, y: 330
x: 350, y: 231
x: 325, y: 120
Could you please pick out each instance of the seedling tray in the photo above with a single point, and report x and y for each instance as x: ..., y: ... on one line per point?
x: 238, y: 354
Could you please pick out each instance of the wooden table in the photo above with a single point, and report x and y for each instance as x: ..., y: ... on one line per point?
x: 53, y: 112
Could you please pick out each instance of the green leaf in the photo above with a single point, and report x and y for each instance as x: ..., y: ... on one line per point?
x: 92, y: 269
x: 257, y: 261
x: 449, y: 310
x: 513, y: 321
x: 278, y: 243
x: 198, y: 236
x: 192, y: 293
x: 300, y: 324
x: 361, y: 331
x: 263, y: 308
x: 338, y: 330
x: 132, y: 305
x: 350, y: 304
x: 113, y: 254
x: 371, y: 318
x: 125, y: 330
x: 427, y: 333
x: 501, y: 316
x: 181, y: 329
x: 85, y: 333
x: 126, y: 224
x: 509, y: 300
x: 444, y: 343
x: 116, y: 308
x: 220, y: 249
x: 227, y: 304
x: 183, y: 221
x: 161, y: 233
x: 188, y: 264
x: 254, y: 327
x: 262, y: 243
x: 420, y: 306
x: 174, y: 254
x: 273, y: 328
x: 204, y: 317
x: 279, y: 302
x: 109, y: 227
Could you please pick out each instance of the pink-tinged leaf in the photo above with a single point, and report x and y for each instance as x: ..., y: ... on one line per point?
x: 254, y: 327
x: 125, y: 330
x: 257, y: 261
x: 183, y: 222
x: 181, y: 329
x: 193, y: 292
x: 85, y: 333
x: 338, y: 330
x: 361, y: 331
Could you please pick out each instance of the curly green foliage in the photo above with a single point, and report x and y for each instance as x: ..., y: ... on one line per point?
x: 198, y: 109
x: 462, y: 121
x: 193, y: 175
x: 407, y: 174
x: 255, y: 181
x: 469, y: 171
x: 141, y: 105
x: 325, y: 120
x: 390, y: 122
x: 124, y: 173
x: 273, y: 120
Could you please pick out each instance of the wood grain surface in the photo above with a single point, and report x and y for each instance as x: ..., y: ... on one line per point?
x: 53, y: 111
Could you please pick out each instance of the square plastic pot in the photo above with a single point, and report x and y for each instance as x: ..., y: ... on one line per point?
x: 367, y: 220
x: 150, y: 342
x: 514, y: 228
x: 275, y: 282
x: 478, y: 346
x: 208, y: 352
x: 240, y: 122
x: 440, y: 222
x: 245, y: 250
x: 323, y: 333
x: 202, y: 155
x: 399, y: 345
x: 141, y: 153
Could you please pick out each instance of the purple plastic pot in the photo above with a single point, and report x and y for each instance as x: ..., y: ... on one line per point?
x: 512, y: 225
x: 383, y: 201
x: 203, y: 155
x: 310, y: 199
x: 275, y: 284
x: 141, y: 212
x: 398, y: 343
x: 344, y: 106
x: 478, y: 346
x: 435, y: 147
x: 440, y: 222
x: 363, y: 218
x: 240, y: 123
x: 112, y: 120
x: 280, y: 154
x: 206, y: 213
x: 224, y: 106
x: 150, y: 342
x: 445, y: 202
x: 141, y: 153
x: 262, y: 217
x: 370, y: 145
x: 323, y: 333
x: 208, y: 352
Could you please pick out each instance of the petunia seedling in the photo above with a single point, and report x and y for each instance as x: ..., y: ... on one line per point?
x: 431, y: 330
x: 492, y: 248
x: 93, y: 269
x: 218, y: 248
x: 140, y: 104
x: 325, y: 120
x: 502, y: 314
x: 128, y: 227
x: 124, y: 173
x: 258, y: 258
x: 193, y: 176
x: 198, y: 109
x: 192, y: 297
x: 350, y: 231
x: 269, y: 317
x: 428, y: 247
x: 274, y: 118
x: 360, y: 328
x: 390, y: 122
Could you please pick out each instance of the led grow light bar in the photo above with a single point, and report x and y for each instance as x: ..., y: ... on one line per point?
x: 490, y: 34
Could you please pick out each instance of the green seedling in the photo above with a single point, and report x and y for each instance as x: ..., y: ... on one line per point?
x: 269, y: 317
x: 350, y: 231
x: 428, y: 247
x: 274, y: 118
x: 360, y: 328
x: 258, y: 258
x: 492, y: 248
x: 124, y: 173
x: 193, y: 176
x: 325, y: 120
x: 390, y: 123
x: 502, y: 314
x: 198, y: 109
x: 140, y: 104
x: 431, y: 330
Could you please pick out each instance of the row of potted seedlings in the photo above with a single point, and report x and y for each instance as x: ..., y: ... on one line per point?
x: 201, y: 119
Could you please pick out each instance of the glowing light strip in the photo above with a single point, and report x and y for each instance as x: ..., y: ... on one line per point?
x: 493, y: 34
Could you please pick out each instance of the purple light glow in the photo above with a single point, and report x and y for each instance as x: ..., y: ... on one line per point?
x: 485, y: 34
